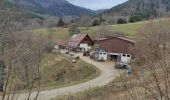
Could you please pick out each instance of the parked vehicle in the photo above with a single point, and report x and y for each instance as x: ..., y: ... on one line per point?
x: 67, y: 52
x: 121, y: 65
x: 71, y: 54
x: 87, y: 53
x: 92, y: 55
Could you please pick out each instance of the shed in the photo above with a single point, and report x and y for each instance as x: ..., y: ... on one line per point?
x: 60, y: 44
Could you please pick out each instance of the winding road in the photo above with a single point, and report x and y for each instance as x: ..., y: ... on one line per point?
x: 108, y: 74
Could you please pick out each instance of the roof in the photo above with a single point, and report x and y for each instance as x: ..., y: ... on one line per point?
x: 126, y: 39
x: 61, y: 42
x: 99, y: 49
x: 121, y: 38
x: 99, y: 39
x: 117, y: 45
x: 77, y: 38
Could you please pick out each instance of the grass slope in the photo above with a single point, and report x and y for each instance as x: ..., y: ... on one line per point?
x: 58, y: 71
x: 117, y: 89
x: 130, y: 29
x: 59, y: 33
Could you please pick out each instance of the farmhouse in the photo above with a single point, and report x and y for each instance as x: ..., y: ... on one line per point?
x: 118, y: 48
x: 80, y: 42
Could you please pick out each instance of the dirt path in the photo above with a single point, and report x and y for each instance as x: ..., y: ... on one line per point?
x: 108, y: 73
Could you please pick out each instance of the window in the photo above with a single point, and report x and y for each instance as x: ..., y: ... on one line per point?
x: 124, y: 55
x: 104, y: 53
x: 128, y: 55
x: 100, y: 53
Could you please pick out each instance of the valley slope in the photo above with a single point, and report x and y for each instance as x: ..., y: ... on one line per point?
x: 143, y: 8
x: 51, y: 7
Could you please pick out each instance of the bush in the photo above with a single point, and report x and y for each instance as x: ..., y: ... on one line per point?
x: 121, y: 21
x: 133, y: 19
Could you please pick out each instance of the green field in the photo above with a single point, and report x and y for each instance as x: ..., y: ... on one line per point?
x: 59, y: 33
x: 129, y: 30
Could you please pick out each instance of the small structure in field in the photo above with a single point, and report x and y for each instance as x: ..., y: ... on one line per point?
x: 80, y: 42
x: 118, y: 48
x: 60, y: 44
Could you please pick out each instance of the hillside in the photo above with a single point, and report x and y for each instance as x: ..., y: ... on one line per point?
x: 7, y: 13
x: 51, y: 7
x: 144, y: 8
x: 129, y: 30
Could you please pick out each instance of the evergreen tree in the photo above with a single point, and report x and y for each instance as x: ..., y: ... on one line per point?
x: 101, y: 19
x: 60, y: 23
x: 96, y: 22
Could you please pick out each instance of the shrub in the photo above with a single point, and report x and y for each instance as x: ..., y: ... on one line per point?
x: 133, y: 19
x: 121, y: 21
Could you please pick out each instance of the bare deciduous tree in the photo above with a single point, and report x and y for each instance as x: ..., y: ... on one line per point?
x: 152, y: 56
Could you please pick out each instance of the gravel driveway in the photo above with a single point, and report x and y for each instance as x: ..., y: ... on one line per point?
x: 108, y: 74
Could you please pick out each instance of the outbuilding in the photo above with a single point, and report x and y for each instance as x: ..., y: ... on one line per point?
x: 118, y: 48
x: 60, y: 44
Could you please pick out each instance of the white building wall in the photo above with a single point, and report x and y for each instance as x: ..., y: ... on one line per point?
x: 125, y: 58
x: 56, y: 47
x: 102, y: 56
x: 85, y: 47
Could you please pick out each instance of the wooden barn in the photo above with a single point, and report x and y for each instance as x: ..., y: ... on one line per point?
x: 118, y: 48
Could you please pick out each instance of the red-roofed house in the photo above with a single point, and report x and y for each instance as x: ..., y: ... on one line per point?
x: 80, y: 42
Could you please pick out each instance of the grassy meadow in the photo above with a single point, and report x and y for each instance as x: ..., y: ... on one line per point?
x: 130, y: 30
